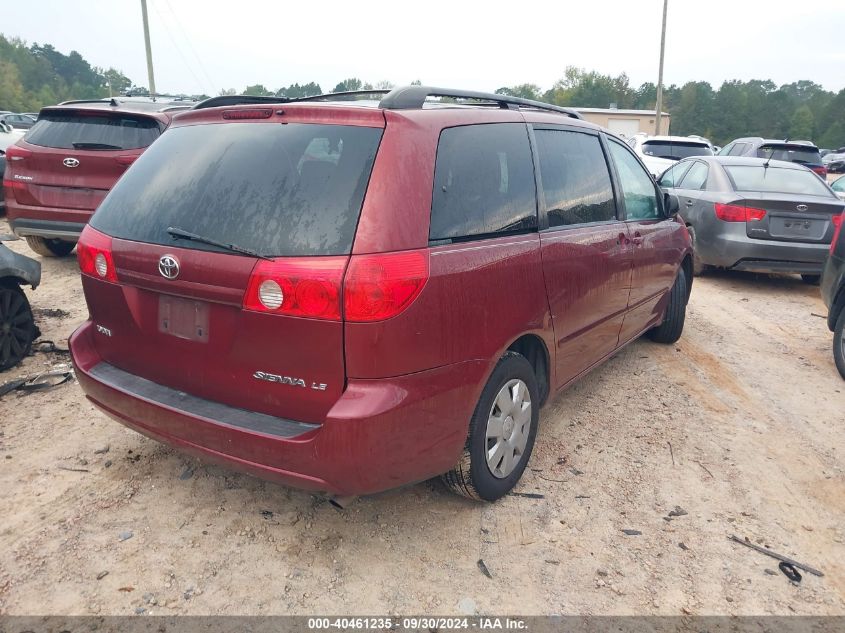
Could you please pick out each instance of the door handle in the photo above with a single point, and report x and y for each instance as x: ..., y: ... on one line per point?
x: 622, y: 239
x: 638, y: 239
x: 689, y: 203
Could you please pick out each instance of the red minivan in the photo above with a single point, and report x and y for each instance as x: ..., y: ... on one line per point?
x: 349, y: 296
x: 65, y: 165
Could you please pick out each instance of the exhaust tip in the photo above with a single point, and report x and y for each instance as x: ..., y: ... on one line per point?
x: 341, y: 503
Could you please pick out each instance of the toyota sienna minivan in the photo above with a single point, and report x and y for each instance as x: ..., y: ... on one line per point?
x: 348, y: 296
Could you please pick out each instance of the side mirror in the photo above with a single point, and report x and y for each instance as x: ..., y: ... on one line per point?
x: 671, y: 204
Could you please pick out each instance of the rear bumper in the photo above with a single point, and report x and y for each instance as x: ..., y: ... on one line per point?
x: 379, y: 435
x: 732, y: 248
x: 49, y: 222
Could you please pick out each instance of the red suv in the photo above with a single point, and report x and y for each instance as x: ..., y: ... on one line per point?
x: 65, y: 165
x: 348, y: 296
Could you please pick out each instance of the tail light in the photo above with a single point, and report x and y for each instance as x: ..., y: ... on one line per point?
x: 15, y: 153
x: 125, y: 160
x: 838, y: 221
x: 306, y: 287
x: 737, y: 213
x: 379, y: 287
x: 821, y: 170
x: 94, y: 252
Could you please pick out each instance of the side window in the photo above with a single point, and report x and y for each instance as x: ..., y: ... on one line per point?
x: 576, y: 181
x: 738, y: 149
x: 483, y: 183
x: 696, y: 177
x: 637, y: 186
x: 673, y: 175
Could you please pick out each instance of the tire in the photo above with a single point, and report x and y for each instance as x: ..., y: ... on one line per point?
x: 17, y: 326
x: 50, y: 247
x: 839, y: 343
x: 473, y: 476
x: 698, y: 266
x: 811, y: 280
x: 672, y: 326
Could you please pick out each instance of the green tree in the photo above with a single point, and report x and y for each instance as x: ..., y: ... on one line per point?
x: 801, y: 125
x: 348, y: 85
x: 258, y: 90
x: 523, y: 91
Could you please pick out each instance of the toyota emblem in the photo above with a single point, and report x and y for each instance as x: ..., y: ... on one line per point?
x: 168, y: 266
x: 71, y: 162
x: 802, y: 207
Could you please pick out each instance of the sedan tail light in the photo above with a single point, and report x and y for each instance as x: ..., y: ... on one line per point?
x: 838, y: 221
x: 738, y: 213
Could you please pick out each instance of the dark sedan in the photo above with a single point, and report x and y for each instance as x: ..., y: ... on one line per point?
x: 755, y: 214
x: 833, y: 293
x: 18, y: 121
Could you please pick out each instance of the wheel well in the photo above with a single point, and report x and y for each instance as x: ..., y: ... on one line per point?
x: 686, y: 266
x: 534, y: 349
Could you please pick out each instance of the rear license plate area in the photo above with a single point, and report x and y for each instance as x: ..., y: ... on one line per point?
x: 800, y: 228
x: 183, y: 318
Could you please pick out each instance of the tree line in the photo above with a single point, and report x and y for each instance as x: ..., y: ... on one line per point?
x: 33, y: 76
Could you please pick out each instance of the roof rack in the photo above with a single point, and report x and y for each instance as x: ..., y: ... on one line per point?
x: 232, y: 100
x: 404, y: 98
x: 111, y: 102
x: 413, y: 98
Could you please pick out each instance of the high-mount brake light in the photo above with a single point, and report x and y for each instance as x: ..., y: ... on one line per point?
x: 378, y: 287
x: 738, y: 213
x: 251, y: 113
x: 94, y: 252
x: 304, y: 287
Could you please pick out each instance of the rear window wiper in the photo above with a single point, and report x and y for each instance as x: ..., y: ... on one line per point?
x: 84, y: 145
x: 181, y: 234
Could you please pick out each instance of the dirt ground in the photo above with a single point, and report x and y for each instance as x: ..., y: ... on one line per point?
x: 740, y: 425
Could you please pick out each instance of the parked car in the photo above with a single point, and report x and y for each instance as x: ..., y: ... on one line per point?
x: 755, y: 214
x: 659, y: 153
x: 65, y: 165
x: 838, y: 187
x: 17, y: 326
x: 833, y: 293
x: 18, y: 121
x: 366, y: 295
x: 834, y: 162
x: 801, y: 152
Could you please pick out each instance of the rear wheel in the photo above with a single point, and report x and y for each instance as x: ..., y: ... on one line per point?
x: 50, y: 247
x: 839, y: 343
x: 673, y: 320
x: 501, y: 432
x: 17, y: 327
x: 812, y: 280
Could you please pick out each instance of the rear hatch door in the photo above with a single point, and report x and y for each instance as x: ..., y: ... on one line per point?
x: 72, y: 158
x: 289, y: 190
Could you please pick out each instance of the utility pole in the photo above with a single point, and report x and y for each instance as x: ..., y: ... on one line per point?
x: 150, y: 52
x: 659, y: 108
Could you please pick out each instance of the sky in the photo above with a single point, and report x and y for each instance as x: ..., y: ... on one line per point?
x: 203, y: 46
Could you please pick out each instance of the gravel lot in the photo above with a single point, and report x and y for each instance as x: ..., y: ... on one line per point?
x: 740, y: 426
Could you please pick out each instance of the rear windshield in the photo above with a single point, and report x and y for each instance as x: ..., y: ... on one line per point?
x: 776, y: 180
x: 95, y: 131
x: 279, y: 190
x: 675, y: 150
x: 793, y: 153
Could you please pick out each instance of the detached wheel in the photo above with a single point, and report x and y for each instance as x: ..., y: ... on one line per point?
x: 501, y: 432
x: 839, y: 343
x: 50, y: 247
x: 17, y: 327
x: 673, y: 321
x: 811, y: 280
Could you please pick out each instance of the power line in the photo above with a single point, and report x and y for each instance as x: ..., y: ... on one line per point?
x: 187, y: 40
x: 176, y: 46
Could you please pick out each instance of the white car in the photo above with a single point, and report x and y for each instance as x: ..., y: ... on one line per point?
x: 659, y: 153
x: 9, y: 136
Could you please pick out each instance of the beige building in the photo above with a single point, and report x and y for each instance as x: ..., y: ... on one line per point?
x: 625, y: 122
